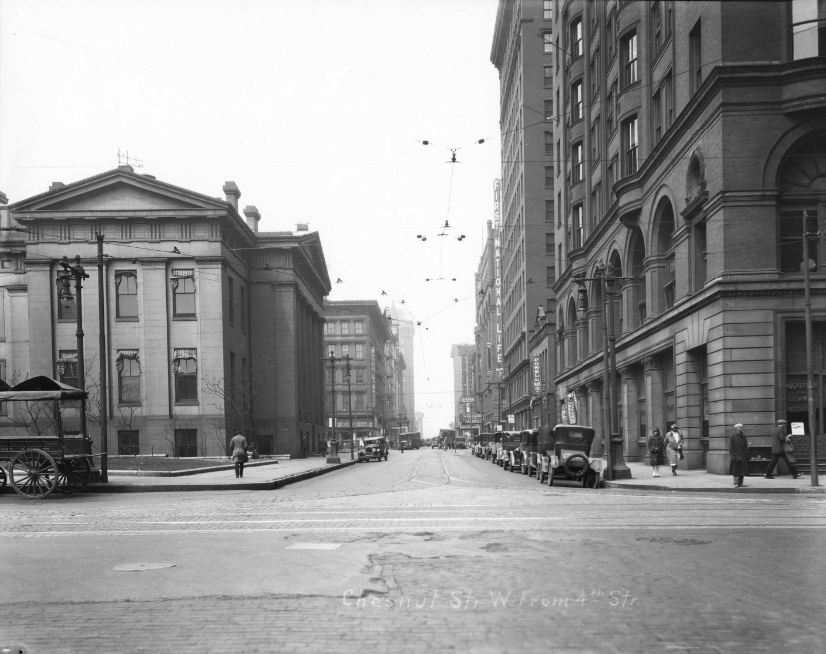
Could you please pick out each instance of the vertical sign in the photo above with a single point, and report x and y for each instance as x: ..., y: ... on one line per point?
x: 373, y: 376
x: 537, y: 377
x: 497, y: 263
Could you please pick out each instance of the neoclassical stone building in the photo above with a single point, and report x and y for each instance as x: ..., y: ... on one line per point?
x: 693, y: 139
x: 209, y: 324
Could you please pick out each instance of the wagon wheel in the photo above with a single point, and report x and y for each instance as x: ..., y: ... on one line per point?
x: 2, y: 477
x: 33, y: 474
x: 74, y: 472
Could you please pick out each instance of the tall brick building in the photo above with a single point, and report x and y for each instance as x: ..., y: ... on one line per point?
x: 691, y: 139
x: 210, y: 325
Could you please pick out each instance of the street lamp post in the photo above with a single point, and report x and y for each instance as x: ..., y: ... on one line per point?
x: 349, y: 405
x: 810, y: 382
x: 332, y: 455
x: 64, y: 278
x: 616, y: 467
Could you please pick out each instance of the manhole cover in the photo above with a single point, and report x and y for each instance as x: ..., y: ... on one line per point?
x: 131, y: 567
x: 313, y: 546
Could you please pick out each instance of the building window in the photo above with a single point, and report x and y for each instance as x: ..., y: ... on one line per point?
x: 359, y: 351
x: 549, y: 142
x: 630, y: 71
x: 549, y: 211
x: 129, y: 377
x: 186, y: 442
x: 656, y: 27
x: 808, y: 29
x: 129, y: 442
x: 667, y: 90
x: 547, y: 10
x: 630, y: 146
x: 791, y: 240
x: 243, y: 309
x: 577, y: 164
x: 594, y: 143
x: 549, y: 176
x: 345, y: 328
x: 576, y: 101
x: 126, y: 294
x: 609, y: 36
x: 358, y: 327
x: 547, y: 43
x: 593, y: 73
x: 183, y: 293
x: 657, y: 115
x: 695, y: 63
x: 231, y: 300
x: 67, y: 367
x: 185, y: 372
x: 549, y: 244
x: 550, y: 273
x: 577, y: 47
x: 359, y: 375
x: 578, y: 226
x: 66, y: 310
x: 549, y: 109
x: 612, y: 178
x: 547, y: 76
x: 359, y: 401
x: 345, y: 350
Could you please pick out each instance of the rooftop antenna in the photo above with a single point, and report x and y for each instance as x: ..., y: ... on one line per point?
x: 125, y: 160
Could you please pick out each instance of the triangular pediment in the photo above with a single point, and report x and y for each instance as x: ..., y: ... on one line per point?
x: 118, y: 191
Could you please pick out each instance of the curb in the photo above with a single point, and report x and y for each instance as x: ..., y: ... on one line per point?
x: 273, y: 484
x: 738, y: 491
x: 184, y: 473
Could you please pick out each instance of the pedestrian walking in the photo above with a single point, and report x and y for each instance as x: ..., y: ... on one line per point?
x: 738, y: 449
x: 673, y: 442
x: 779, y: 451
x: 656, y: 446
x: 239, y: 452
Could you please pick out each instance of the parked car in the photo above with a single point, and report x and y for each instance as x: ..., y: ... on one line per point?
x: 510, y: 443
x: 372, y: 447
x: 527, y: 449
x: 571, y: 458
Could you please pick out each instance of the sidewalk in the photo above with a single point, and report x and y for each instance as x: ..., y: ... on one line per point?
x: 701, y: 481
x: 262, y: 474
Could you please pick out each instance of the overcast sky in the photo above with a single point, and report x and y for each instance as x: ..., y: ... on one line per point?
x: 316, y: 109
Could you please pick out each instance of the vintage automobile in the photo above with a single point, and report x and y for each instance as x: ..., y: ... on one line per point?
x: 510, y: 455
x: 372, y: 447
x: 527, y: 448
x: 544, y: 451
x: 571, y: 456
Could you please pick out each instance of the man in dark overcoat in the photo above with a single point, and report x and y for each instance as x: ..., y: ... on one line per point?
x: 738, y: 448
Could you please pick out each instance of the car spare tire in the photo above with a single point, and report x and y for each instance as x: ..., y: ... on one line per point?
x: 576, y: 465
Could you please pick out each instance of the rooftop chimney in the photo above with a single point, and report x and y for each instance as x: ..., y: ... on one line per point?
x: 233, y: 193
x: 252, y: 216
x: 56, y: 185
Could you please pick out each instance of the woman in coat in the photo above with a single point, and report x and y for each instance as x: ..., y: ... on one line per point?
x: 672, y: 448
x: 239, y: 452
x: 738, y: 448
x: 656, y: 445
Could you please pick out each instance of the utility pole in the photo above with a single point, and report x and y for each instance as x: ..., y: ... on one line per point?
x: 104, y: 392
x: 810, y: 379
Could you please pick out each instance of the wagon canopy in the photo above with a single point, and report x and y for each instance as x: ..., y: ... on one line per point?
x: 41, y: 388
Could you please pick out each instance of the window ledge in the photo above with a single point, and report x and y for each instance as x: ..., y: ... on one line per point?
x: 127, y: 319
x: 186, y: 403
x: 184, y: 317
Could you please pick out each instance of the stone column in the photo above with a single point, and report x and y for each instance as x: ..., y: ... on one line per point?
x: 596, y: 415
x: 629, y: 421
x: 652, y: 369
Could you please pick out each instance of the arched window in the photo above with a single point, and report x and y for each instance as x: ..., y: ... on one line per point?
x: 571, y: 338
x: 803, y: 188
x: 638, y: 309
x: 665, y: 252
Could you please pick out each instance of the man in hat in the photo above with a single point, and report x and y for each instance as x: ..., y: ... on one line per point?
x: 779, y: 451
x: 738, y: 448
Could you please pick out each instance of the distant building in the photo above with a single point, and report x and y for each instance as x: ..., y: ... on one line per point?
x: 464, y: 390
x: 404, y: 327
x: 524, y: 52
x: 210, y: 325
x: 359, y: 332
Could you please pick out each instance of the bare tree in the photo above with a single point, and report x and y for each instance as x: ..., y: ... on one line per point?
x: 31, y: 418
x: 128, y: 411
x: 219, y: 433
x: 237, y: 398
x: 170, y: 439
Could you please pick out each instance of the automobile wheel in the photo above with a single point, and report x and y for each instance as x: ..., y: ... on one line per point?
x: 550, y: 476
x: 575, y: 470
